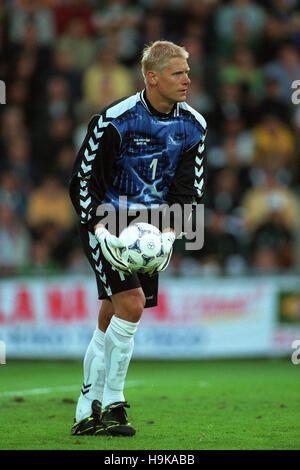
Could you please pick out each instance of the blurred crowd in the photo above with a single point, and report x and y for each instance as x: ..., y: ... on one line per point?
x: 63, y: 60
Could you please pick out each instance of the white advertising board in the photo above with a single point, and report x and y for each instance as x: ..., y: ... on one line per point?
x: 55, y: 317
x: 216, y: 318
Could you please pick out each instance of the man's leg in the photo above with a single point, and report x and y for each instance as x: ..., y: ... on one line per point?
x: 118, y: 346
x: 93, y: 365
x: 105, y: 313
x: 113, y: 284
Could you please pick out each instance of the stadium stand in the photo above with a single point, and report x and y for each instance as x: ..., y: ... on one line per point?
x: 63, y: 60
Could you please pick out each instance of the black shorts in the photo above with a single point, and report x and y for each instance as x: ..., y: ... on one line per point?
x: 111, y: 281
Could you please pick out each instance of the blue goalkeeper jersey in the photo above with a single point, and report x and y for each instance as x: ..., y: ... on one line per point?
x: 133, y: 150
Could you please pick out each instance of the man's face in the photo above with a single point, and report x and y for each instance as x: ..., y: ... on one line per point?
x: 173, y: 82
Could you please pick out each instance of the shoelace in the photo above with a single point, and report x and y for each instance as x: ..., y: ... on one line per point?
x: 119, y: 404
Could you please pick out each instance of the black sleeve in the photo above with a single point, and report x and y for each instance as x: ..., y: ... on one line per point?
x: 92, y: 169
x: 188, y: 183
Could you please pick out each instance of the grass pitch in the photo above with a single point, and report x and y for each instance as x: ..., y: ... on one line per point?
x: 188, y: 405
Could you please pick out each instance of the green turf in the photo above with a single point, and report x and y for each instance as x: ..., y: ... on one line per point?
x: 246, y: 404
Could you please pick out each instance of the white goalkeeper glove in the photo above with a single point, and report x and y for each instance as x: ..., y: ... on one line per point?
x: 168, y: 239
x: 109, y: 245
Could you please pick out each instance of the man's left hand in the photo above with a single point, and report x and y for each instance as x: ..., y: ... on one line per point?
x: 168, y: 239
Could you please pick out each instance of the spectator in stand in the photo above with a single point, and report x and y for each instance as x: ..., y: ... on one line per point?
x: 28, y: 45
x: 27, y: 42
x: 229, y: 105
x: 223, y: 221
x: 273, y: 36
x: 12, y: 193
x: 238, y: 143
x: 286, y: 12
x: 80, y: 45
x: 106, y: 80
x: 62, y: 66
x: 283, y: 9
x: 274, y: 144
x: 234, y: 148
x: 25, y: 73
x: 225, y: 193
x: 59, y: 240
x: 273, y: 236
x: 232, y: 156
x: 197, y: 63
x: 25, y: 68
x: 29, y: 61
x: 242, y: 70
x: 295, y: 123
x: 79, y: 131
x: 76, y: 262
x: 68, y: 10
x: 4, y: 51
x: 174, y: 15
x: 50, y: 203
x: 221, y: 253
x: 273, y: 103
x: 199, y: 98
x: 152, y: 28
x: 13, y: 125
x: 239, y: 22
x: 293, y: 27
x: 198, y: 20
x: 49, y: 140
x: 258, y: 203
x: 119, y: 21
x: 14, y: 242
x: 57, y: 102
x: 285, y: 69
x: 18, y: 161
x: 41, y: 261
x: 18, y: 94
x: 38, y: 15
x: 64, y: 164
x: 264, y: 261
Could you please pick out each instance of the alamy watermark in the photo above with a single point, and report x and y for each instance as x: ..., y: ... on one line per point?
x: 296, y: 94
x: 186, y: 220
x: 296, y: 354
x: 2, y: 353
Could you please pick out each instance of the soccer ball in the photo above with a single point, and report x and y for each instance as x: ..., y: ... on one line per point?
x: 143, y: 249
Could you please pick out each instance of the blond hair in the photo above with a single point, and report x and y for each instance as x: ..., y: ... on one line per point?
x: 156, y: 56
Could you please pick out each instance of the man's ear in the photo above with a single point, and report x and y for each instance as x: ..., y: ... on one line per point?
x: 151, y: 77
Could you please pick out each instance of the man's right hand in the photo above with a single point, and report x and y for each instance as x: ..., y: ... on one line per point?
x: 109, y: 245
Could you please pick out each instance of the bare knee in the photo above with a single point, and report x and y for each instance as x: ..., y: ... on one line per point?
x: 129, y: 305
x: 105, y: 314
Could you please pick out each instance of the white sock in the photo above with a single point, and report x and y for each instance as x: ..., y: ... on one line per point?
x: 118, y: 347
x: 94, y: 376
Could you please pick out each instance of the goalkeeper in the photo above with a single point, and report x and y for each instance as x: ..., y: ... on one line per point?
x: 148, y: 147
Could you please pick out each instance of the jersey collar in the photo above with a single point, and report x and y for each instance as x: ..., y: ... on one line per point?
x: 149, y: 107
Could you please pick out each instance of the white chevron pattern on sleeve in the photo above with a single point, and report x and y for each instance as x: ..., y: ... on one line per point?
x: 199, y: 170
x: 86, y: 168
x: 94, y: 246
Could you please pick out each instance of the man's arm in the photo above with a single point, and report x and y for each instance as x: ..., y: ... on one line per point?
x: 91, y: 176
x: 93, y: 169
x: 186, y: 188
x: 189, y: 180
